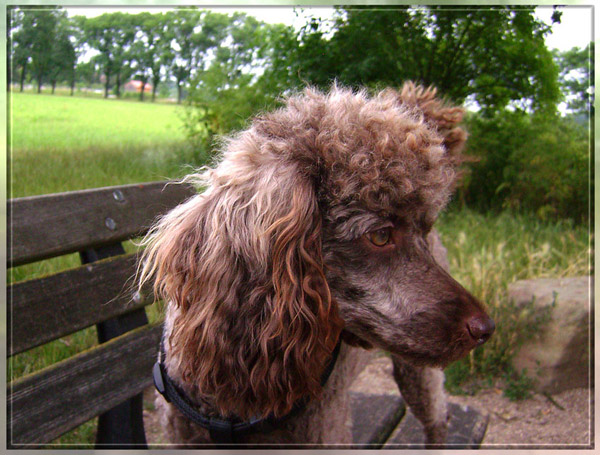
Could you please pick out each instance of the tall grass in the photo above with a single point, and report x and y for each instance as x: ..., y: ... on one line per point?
x: 488, y: 252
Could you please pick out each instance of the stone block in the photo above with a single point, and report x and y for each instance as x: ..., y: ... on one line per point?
x: 558, y: 357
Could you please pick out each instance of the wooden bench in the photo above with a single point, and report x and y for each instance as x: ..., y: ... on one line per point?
x: 106, y: 380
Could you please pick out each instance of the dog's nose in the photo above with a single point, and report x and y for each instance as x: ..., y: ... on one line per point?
x: 480, y: 328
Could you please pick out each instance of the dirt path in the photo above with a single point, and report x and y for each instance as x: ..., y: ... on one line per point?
x: 534, y: 421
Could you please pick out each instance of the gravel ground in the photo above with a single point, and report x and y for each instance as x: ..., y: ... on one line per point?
x: 535, y: 421
x: 528, y: 423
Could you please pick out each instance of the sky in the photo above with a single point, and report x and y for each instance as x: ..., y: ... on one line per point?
x: 575, y: 29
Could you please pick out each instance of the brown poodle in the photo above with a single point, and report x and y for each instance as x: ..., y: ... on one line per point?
x: 315, y: 228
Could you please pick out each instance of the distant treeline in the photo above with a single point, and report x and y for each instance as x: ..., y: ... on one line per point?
x: 531, y: 156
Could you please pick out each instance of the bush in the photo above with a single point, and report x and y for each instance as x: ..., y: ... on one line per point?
x: 212, y: 112
x: 529, y: 163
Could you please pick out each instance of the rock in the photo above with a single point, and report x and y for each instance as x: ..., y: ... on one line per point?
x: 557, y: 358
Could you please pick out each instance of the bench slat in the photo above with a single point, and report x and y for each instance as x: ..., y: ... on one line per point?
x: 51, y: 225
x: 44, y: 309
x: 46, y: 404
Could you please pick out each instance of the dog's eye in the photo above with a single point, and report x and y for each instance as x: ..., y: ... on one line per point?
x: 380, y: 237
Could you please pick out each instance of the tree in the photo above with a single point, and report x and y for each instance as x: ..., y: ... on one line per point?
x: 576, y: 79
x: 151, y: 50
x: 125, y: 31
x: 278, y: 44
x: 63, y: 54
x: 21, y: 41
x: 40, y: 26
x: 88, y: 73
x: 140, y: 60
x: 495, y: 56
x: 112, y: 35
x: 231, y: 88
x: 46, y: 41
x: 156, y: 26
x: 180, y: 30
x: 193, y: 35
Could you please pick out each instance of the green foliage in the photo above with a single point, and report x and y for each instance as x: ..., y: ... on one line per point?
x: 40, y: 44
x: 63, y: 56
x: 151, y: 50
x: 212, y: 114
x: 518, y: 386
x: 112, y: 35
x: 180, y: 26
x: 229, y: 90
x: 576, y: 78
x: 19, y: 42
x: 496, y: 56
x: 458, y: 377
x: 83, y: 437
x: 535, y: 163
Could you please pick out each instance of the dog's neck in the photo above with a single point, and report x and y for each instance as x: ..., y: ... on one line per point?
x: 205, y: 405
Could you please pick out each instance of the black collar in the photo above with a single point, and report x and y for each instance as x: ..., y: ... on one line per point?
x: 225, y: 430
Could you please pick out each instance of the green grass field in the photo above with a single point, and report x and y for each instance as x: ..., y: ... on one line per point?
x: 43, y: 122
x: 62, y: 143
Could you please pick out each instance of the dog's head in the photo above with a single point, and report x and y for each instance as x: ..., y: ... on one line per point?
x: 316, y: 222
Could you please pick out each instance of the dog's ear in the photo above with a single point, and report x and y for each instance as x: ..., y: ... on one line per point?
x: 444, y: 117
x: 251, y: 322
x: 297, y: 341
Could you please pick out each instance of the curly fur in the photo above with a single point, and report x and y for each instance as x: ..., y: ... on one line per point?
x: 267, y: 267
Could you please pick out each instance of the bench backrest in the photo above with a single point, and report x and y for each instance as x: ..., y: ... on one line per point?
x: 52, y: 401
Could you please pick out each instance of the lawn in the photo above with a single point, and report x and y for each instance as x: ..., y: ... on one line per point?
x: 62, y: 143
x: 42, y: 122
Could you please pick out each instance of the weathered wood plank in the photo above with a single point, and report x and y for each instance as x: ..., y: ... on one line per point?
x: 374, y: 417
x: 44, y: 309
x: 51, y: 225
x: 466, y: 430
x: 44, y: 405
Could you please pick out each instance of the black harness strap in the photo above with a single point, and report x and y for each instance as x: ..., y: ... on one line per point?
x: 225, y: 430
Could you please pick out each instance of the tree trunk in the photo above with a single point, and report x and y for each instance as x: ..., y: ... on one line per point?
x: 39, y: 84
x: 106, y: 84
x: 154, y: 92
x: 142, y: 90
x: 53, y: 86
x: 118, y: 85
x: 22, y: 81
x: 179, y: 90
